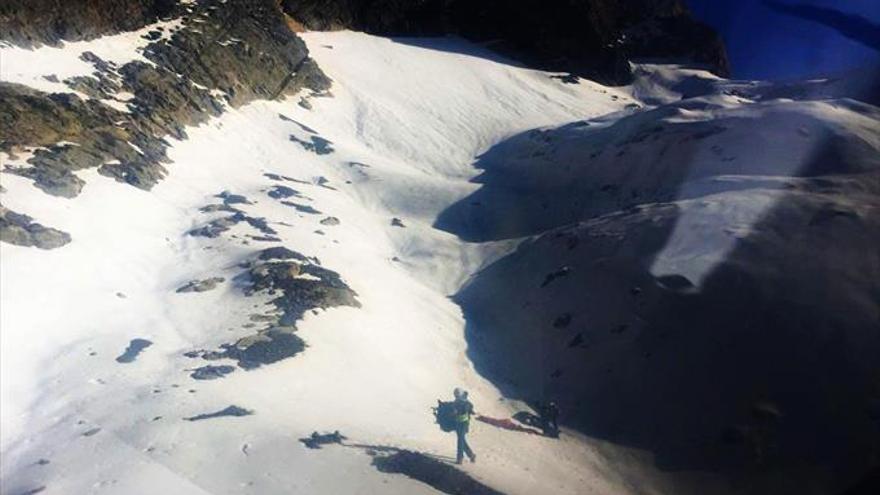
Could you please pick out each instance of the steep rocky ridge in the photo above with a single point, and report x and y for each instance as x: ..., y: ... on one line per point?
x: 590, y: 38
x: 38, y: 22
x: 223, y: 53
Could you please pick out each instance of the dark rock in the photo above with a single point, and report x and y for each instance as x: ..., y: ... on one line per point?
x: 135, y: 347
x: 264, y: 238
x: 589, y: 38
x: 396, y: 222
x: 233, y: 411
x: 201, y: 285
x: 31, y: 23
x: 217, y: 227
x: 281, y: 192
x: 21, y: 230
x: 233, y: 199
x: 330, y: 221
x: 301, y: 208
x: 210, y: 372
x: 316, y: 144
x: 275, y: 273
x: 93, y: 87
x: 268, y: 62
x: 567, y: 78
x: 282, y: 253
x: 322, y: 289
x: 218, y: 207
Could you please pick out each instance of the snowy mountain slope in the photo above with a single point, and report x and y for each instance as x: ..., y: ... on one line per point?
x: 432, y: 168
x: 373, y: 372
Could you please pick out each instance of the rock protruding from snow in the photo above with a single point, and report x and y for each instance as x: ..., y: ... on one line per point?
x: 135, y: 347
x: 21, y: 230
x: 201, y: 285
x: 299, y: 284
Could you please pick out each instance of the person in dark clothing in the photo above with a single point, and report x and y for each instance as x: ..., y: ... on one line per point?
x: 549, y: 419
x: 463, y: 412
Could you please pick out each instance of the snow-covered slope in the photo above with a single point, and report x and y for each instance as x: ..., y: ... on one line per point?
x: 404, y: 123
x: 373, y: 182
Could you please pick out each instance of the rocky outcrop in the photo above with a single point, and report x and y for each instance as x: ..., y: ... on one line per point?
x: 225, y: 53
x: 21, y: 230
x: 590, y: 38
x: 298, y: 284
x: 37, y: 22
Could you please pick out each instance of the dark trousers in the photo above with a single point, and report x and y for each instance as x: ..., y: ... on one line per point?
x: 462, y: 446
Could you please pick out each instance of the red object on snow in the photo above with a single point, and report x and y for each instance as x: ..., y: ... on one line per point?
x: 507, y: 424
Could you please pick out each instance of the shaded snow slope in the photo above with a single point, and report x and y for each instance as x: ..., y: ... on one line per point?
x: 700, y: 281
x: 394, y: 141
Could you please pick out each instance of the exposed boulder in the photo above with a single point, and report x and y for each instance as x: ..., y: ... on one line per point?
x: 21, y: 230
x: 302, y: 286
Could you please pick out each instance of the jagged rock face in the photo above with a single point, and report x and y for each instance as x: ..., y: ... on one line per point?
x: 590, y: 38
x: 230, y: 53
x: 37, y: 22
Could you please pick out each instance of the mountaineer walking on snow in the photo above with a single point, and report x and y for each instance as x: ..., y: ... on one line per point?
x: 463, y: 411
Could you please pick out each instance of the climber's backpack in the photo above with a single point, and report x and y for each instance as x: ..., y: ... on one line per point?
x: 445, y: 414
